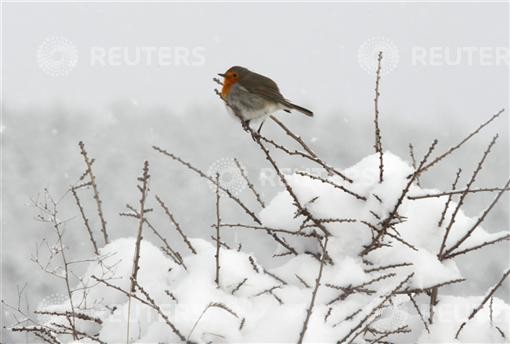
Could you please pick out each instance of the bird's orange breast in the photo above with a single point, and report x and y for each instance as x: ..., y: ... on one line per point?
x: 227, y: 85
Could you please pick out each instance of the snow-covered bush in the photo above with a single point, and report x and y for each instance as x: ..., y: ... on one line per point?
x: 369, y: 254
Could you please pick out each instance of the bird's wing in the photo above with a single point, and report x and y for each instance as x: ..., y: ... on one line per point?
x: 263, y: 86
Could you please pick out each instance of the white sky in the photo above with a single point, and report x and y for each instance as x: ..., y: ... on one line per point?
x: 311, y: 50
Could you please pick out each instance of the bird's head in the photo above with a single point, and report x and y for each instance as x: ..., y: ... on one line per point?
x: 232, y: 76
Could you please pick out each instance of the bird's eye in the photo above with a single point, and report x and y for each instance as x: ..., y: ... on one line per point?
x: 234, y: 75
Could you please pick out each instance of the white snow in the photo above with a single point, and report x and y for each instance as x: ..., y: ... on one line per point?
x: 263, y: 317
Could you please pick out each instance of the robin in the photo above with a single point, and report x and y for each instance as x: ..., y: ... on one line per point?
x: 254, y: 96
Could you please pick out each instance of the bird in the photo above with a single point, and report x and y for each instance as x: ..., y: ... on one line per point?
x: 254, y: 96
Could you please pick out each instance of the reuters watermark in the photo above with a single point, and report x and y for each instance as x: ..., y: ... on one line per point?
x: 429, y: 56
x: 232, y: 175
x: 58, y: 56
x: 163, y: 56
x: 460, y: 56
x: 368, y: 53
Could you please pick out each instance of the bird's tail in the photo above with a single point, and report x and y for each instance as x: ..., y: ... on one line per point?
x: 299, y: 108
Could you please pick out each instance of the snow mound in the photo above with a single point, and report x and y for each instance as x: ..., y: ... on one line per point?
x: 255, y: 304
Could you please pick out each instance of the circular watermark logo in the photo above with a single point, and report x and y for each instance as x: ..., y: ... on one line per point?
x: 51, y: 303
x: 57, y: 56
x: 368, y: 54
x: 230, y: 175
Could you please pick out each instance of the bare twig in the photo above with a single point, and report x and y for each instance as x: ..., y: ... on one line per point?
x: 218, y: 222
x: 413, y: 161
x: 327, y: 181
x: 457, y: 192
x: 425, y: 290
x: 312, y: 155
x: 250, y: 184
x: 462, y: 198
x: 376, y: 308
x: 385, y: 267
x: 447, y: 204
x: 89, y: 162
x: 476, y: 247
x: 378, y: 143
x: 176, y: 224
x: 394, y: 213
x: 457, y: 146
x: 486, y: 298
x: 85, y: 220
x: 419, y: 312
x: 144, y: 189
x: 154, y: 305
x: 238, y: 286
x: 205, y: 176
x: 478, y: 222
x: 309, y: 310
x: 209, y: 306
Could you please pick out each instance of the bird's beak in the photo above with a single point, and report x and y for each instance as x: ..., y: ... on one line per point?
x: 222, y: 75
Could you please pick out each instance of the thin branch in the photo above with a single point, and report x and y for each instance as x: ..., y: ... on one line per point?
x: 385, y: 267
x: 218, y: 222
x: 419, y: 312
x: 143, y: 190
x: 457, y: 146
x: 89, y: 162
x: 393, y: 214
x: 378, y: 143
x: 473, y: 248
x: 205, y: 176
x: 250, y: 184
x: 309, y: 310
x: 176, y: 224
x: 447, y: 204
x: 312, y: 154
x: 376, y: 308
x: 479, y: 221
x: 456, y: 192
x: 85, y: 221
x: 486, y: 298
x: 463, y: 196
x: 413, y: 161
x: 326, y: 181
x: 154, y: 305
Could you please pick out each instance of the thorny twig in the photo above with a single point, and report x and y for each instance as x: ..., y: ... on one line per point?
x: 375, y: 309
x: 486, y: 298
x: 457, y: 146
x: 205, y: 176
x: 413, y: 161
x: 176, y: 224
x: 218, y: 222
x: 378, y: 143
x: 447, y: 204
x: 92, y: 177
x: 85, y: 220
x: 315, y: 290
x: 250, y: 184
x: 462, y: 198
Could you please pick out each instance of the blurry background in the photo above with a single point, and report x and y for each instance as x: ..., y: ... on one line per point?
x: 120, y: 104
